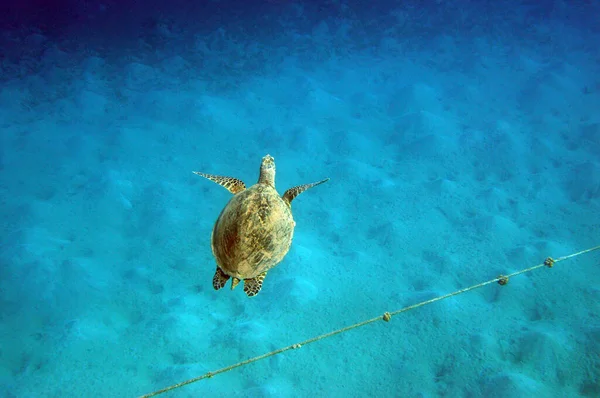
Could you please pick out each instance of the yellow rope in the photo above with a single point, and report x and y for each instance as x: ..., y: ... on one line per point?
x: 502, y: 280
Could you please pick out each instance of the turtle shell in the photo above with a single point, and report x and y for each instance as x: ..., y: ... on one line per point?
x: 253, y: 232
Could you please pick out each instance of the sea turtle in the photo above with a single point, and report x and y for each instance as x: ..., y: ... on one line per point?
x: 254, y: 231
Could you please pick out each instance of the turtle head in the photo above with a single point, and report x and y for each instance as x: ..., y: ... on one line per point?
x: 267, y: 171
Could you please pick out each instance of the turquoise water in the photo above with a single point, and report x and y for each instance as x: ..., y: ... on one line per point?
x: 462, y: 141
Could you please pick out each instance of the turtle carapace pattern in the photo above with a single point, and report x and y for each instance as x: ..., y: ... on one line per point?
x: 254, y: 231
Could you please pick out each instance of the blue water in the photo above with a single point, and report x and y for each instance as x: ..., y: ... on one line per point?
x: 462, y: 140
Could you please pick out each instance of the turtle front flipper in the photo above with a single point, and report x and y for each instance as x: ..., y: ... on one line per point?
x: 291, y: 193
x: 253, y: 285
x: 233, y: 185
x: 220, y: 279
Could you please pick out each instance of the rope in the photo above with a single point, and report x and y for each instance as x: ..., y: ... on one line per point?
x: 501, y: 279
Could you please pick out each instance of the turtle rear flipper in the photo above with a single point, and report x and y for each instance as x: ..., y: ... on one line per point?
x: 220, y: 279
x: 233, y: 185
x: 253, y: 285
x: 291, y: 193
